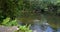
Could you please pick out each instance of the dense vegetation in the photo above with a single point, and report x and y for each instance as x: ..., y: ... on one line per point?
x: 29, y: 9
x: 16, y: 7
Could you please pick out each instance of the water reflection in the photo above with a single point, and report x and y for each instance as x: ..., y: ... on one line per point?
x: 41, y: 25
x: 58, y: 30
x: 37, y: 28
x: 44, y: 27
x: 49, y: 29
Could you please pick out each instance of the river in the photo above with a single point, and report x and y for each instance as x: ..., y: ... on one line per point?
x: 43, y: 24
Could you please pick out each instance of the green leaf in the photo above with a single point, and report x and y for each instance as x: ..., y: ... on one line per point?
x: 5, y: 20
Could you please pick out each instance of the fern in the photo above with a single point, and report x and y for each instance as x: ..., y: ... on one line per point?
x: 24, y: 28
x: 5, y: 21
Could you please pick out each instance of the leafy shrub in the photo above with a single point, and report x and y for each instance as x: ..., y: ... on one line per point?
x: 24, y: 28
x: 7, y: 22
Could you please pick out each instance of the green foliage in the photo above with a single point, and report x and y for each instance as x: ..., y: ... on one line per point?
x: 16, y: 8
x: 24, y: 28
x: 7, y: 22
x: 27, y: 9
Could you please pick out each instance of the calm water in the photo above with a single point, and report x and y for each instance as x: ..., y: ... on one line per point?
x: 42, y: 25
x: 41, y: 28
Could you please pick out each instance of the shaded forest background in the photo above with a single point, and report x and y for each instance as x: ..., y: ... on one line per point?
x: 29, y: 9
x: 14, y: 8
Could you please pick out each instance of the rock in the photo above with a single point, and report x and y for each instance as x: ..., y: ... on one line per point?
x: 8, y: 29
